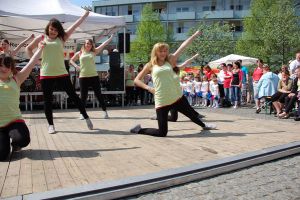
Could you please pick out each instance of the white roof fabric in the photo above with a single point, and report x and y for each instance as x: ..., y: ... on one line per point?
x: 232, y: 58
x: 20, y: 18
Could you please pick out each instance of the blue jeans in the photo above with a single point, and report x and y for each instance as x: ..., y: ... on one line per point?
x: 236, y: 93
x: 227, y: 94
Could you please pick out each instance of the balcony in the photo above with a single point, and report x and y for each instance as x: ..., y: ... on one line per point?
x: 215, y: 14
x: 180, y: 36
x: 128, y: 18
x: 185, y: 15
x: 241, y: 13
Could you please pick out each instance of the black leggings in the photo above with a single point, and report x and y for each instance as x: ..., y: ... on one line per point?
x: 18, y: 132
x: 180, y: 105
x: 279, y: 96
x: 174, y: 115
x: 93, y: 82
x: 64, y: 83
x: 289, y: 103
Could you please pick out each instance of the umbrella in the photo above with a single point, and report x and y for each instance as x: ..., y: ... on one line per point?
x: 232, y: 58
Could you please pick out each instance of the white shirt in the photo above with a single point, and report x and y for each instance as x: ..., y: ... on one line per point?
x: 293, y: 66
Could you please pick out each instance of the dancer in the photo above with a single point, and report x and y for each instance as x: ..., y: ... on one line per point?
x: 12, y: 126
x: 174, y: 113
x: 88, y: 76
x: 7, y: 51
x: 53, y: 69
x: 167, y: 90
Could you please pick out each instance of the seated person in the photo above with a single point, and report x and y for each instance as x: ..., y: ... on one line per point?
x: 284, y: 88
x: 292, y: 97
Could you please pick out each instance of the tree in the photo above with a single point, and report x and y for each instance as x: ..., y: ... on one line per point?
x: 149, y: 31
x: 271, y: 31
x: 217, y: 41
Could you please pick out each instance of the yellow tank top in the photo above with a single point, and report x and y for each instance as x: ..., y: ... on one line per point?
x: 87, y: 65
x: 166, y: 84
x: 53, y: 58
x: 9, y: 104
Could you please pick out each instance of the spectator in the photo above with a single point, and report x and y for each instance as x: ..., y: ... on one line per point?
x: 257, y: 74
x: 294, y: 64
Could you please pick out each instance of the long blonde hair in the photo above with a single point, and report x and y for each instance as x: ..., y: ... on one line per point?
x: 90, y: 41
x: 155, y: 49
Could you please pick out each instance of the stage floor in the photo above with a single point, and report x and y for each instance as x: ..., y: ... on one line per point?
x: 78, y: 156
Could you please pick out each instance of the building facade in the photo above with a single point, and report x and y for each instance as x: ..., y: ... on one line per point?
x: 179, y: 15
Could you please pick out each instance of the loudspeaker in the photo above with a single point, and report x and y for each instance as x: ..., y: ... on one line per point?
x: 114, y: 60
x: 121, y: 42
x: 116, y: 80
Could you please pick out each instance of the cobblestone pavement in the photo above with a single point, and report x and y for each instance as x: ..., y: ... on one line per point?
x: 277, y: 180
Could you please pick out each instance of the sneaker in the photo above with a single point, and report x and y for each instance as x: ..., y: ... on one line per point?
x: 209, y: 126
x: 136, y: 129
x: 81, y: 117
x: 51, y: 129
x: 106, y: 115
x: 89, y: 123
x: 258, y: 110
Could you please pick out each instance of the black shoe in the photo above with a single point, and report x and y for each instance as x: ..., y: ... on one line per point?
x: 258, y: 111
x: 297, y: 118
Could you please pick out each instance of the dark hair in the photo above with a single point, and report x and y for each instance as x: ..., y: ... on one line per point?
x: 237, y: 63
x: 56, y: 24
x: 229, y: 65
x: 260, y: 60
x: 9, y: 62
x: 5, y: 41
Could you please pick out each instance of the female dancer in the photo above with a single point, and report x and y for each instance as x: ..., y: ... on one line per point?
x: 88, y: 76
x: 53, y: 69
x: 5, y: 46
x: 167, y: 90
x: 12, y: 126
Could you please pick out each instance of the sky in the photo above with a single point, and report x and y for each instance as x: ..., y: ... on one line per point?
x: 82, y: 2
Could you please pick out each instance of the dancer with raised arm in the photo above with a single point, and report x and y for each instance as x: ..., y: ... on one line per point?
x: 12, y: 126
x: 88, y: 76
x: 167, y: 92
x: 53, y: 69
x: 6, y: 49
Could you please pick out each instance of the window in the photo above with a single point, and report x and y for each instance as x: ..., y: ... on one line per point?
x: 239, y: 7
x: 231, y: 7
x: 179, y: 30
x: 182, y: 9
x: 130, y: 10
x: 212, y: 8
x: 205, y: 8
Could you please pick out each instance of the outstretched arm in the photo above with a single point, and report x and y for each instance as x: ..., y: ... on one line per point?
x: 72, y: 28
x: 101, y: 47
x: 15, y: 51
x: 187, y: 62
x: 139, y: 78
x: 175, y: 56
x: 29, y: 49
x: 75, y: 58
x: 24, y: 73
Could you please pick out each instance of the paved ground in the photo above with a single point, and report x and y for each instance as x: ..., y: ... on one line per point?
x: 77, y: 156
x: 277, y: 180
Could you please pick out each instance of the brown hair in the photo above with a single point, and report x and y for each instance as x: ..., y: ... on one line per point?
x: 4, y: 41
x: 56, y: 24
x: 93, y: 45
x: 8, y: 62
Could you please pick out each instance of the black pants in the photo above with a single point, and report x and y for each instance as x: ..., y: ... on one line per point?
x: 174, y: 115
x: 129, y: 94
x: 93, y: 82
x: 183, y: 106
x: 289, y: 103
x: 279, y: 96
x: 140, y: 94
x: 18, y: 132
x: 65, y: 84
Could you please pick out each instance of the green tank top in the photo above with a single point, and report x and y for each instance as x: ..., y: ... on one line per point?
x: 166, y: 84
x: 9, y: 104
x: 53, y: 58
x: 129, y: 80
x: 87, y: 64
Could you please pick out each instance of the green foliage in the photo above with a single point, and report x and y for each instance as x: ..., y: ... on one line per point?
x: 217, y: 41
x: 149, y: 31
x: 271, y: 31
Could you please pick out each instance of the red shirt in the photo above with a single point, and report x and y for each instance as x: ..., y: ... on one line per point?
x: 227, y: 80
x: 208, y: 74
x: 258, y: 72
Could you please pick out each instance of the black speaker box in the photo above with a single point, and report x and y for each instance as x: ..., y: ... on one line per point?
x: 114, y: 60
x: 116, y: 79
x: 121, y: 42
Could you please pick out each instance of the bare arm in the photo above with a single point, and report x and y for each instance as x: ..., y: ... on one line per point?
x: 72, y: 28
x: 24, y: 73
x: 34, y: 44
x: 101, y: 47
x: 187, y: 62
x: 74, y: 59
x: 15, y: 51
x: 174, y: 56
x: 138, y: 79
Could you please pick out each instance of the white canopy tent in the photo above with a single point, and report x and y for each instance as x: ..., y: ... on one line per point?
x: 20, y: 18
x: 232, y: 58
